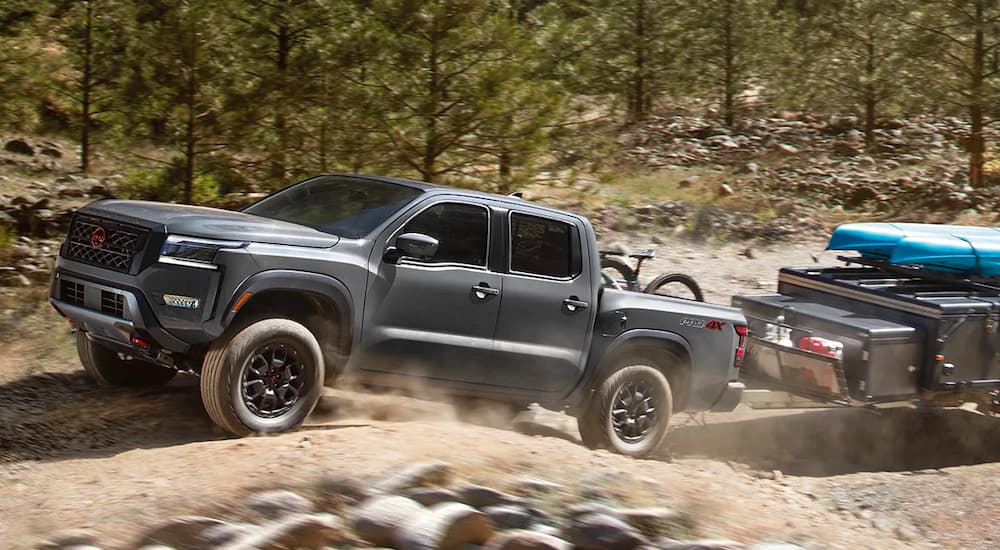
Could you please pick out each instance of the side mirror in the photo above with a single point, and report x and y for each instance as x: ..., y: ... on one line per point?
x: 412, y: 245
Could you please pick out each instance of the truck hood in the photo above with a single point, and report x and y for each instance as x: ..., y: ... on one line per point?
x: 210, y: 223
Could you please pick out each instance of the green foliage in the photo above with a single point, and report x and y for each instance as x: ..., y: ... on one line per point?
x: 166, y: 185
x: 7, y: 237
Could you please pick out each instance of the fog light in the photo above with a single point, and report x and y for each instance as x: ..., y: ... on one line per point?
x: 186, y: 302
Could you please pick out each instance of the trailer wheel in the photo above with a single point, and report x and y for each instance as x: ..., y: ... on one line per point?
x: 110, y: 369
x: 266, y: 378
x: 630, y: 410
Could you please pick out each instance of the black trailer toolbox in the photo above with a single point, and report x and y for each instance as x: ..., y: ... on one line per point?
x: 896, y: 333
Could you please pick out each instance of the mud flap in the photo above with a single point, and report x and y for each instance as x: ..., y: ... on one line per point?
x: 774, y: 366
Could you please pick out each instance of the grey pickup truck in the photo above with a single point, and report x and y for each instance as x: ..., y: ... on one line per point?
x: 399, y: 283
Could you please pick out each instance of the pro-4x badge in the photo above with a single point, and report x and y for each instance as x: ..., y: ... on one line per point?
x: 703, y: 323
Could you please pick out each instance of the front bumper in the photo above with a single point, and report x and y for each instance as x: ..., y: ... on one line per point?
x: 731, y: 396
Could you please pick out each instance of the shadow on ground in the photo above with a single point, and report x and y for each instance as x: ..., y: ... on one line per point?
x: 59, y: 415
x: 841, y: 441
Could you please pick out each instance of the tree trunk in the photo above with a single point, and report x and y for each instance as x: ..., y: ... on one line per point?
x: 637, y: 105
x: 86, y: 83
x: 190, y: 137
x: 279, y: 159
x: 729, y: 65
x: 977, y: 144
x: 429, y: 162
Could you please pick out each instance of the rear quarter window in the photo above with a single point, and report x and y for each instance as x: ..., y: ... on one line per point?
x: 542, y: 246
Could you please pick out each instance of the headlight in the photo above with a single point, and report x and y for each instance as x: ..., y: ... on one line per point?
x: 194, y: 251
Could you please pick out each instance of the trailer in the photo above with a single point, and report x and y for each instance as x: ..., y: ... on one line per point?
x: 873, y: 333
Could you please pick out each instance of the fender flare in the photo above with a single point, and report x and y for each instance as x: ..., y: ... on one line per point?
x: 297, y: 281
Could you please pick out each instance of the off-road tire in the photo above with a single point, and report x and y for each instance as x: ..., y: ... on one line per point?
x: 678, y: 278
x: 595, y: 424
x: 109, y: 369
x: 222, y: 376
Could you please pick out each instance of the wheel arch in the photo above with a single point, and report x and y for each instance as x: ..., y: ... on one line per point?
x: 321, y: 303
x: 654, y: 345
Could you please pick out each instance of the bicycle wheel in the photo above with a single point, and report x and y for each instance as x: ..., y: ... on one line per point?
x: 676, y: 285
x: 616, y: 274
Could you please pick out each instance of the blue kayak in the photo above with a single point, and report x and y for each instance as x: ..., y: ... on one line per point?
x: 879, y: 240
x: 979, y: 255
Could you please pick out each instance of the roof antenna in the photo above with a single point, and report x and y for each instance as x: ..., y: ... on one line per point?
x: 517, y: 194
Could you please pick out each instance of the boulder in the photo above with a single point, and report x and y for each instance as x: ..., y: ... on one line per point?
x: 377, y: 519
x: 509, y: 517
x: 51, y: 152
x: 430, y: 496
x: 602, y: 532
x: 479, y: 496
x: 449, y: 526
x: 20, y: 147
x: 652, y: 522
x: 519, y: 539
x: 416, y: 475
x: 338, y: 490
x: 182, y: 532
x: 295, y: 531
x: 531, y: 485
x: 69, y: 537
x: 277, y: 503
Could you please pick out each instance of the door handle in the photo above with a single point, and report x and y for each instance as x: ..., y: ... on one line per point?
x: 483, y: 291
x: 574, y: 303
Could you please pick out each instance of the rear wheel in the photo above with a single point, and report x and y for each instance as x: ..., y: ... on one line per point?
x: 266, y: 378
x: 616, y: 274
x: 111, y: 369
x: 676, y: 285
x: 630, y: 411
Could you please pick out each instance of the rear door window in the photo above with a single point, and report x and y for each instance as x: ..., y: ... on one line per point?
x: 542, y: 246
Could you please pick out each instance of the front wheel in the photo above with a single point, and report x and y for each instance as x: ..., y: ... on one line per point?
x: 111, y: 369
x: 630, y: 411
x: 266, y: 378
x: 676, y: 285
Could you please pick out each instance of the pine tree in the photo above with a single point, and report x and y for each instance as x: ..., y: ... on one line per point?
x: 19, y: 47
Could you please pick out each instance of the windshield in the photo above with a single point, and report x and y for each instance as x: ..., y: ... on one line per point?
x: 348, y: 207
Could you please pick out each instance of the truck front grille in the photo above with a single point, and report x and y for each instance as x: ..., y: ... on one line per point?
x: 104, y: 243
x: 71, y: 292
x: 113, y: 303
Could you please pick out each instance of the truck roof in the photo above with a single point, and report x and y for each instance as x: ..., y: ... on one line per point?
x: 433, y: 188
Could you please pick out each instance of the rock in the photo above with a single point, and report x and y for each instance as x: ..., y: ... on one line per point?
x: 479, y: 496
x: 652, y: 522
x: 786, y: 148
x: 72, y: 193
x: 751, y: 168
x: 430, y: 496
x: 519, y: 539
x: 376, y: 519
x: 530, y: 485
x: 669, y: 544
x: 277, y: 503
x: 846, y: 149
x: 688, y: 181
x: 69, y: 537
x: 449, y: 526
x: 182, y: 532
x: 295, y: 531
x: 338, y: 490
x: 416, y: 475
x: 219, y: 535
x: 602, y: 532
x: 725, y: 189
x: 509, y: 517
x: 22, y: 280
x: 19, y: 146
x: 99, y: 191
x: 774, y: 546
x: 584, y: 508
x: 51, y: 152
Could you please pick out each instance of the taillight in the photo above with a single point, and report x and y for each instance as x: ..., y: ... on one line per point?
x: 741, y: 347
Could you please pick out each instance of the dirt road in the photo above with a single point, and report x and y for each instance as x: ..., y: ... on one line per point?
x: 74, y: 455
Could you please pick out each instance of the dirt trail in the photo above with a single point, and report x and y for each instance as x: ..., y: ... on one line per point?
x: 74, y: 455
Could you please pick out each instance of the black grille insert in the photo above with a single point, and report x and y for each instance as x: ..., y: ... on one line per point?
x: 113, y: 303
x: 71, y: 292
x: 104, y: 242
